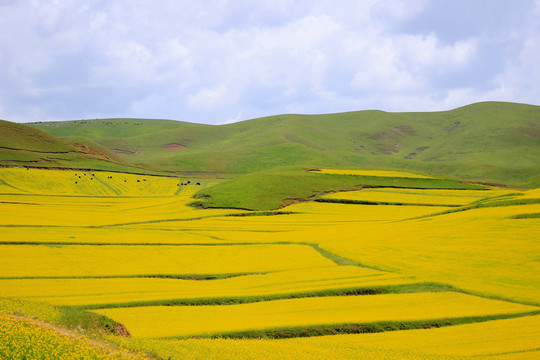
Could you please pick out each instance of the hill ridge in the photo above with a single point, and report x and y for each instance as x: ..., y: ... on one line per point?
x: 491, y: 141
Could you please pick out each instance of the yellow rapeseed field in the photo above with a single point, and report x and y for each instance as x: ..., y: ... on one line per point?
x: 514, y: 339
x: 418, y: 196
x: 94, y: 183
x: 84, y: 260
x: 230, y: 349
x: 516, y: 336
x: 34, y: 210
x: 176, y: 321
x: 485, y: 251
x: 123, y: 290
x: 30, y: 339
x: 30, y: 309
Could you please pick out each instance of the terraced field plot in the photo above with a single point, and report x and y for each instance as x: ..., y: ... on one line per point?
x: 164, y: 321
x: 417, y: 196
x: 501, y: 339
x: 125, y: 253
x: 17, y: 261
x: 112, y: 292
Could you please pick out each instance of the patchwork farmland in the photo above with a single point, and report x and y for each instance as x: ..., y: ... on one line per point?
x: 419, y: 268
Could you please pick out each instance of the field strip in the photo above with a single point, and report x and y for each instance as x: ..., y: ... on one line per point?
x: 507, y: 339
x: 84, y: 260
x: 186, y: 321
x: 102, y: 301
x: 448, y: 197
x: 262, y: 213
x: 357, y: 328
x: 201, y: 301
x: 129, y: 291
x: 338, y: 260
x: 491, y: 338
x: 501, y: 208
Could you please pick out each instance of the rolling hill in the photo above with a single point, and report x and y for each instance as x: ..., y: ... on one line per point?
x: 23, y: 145
x: 490, y: 142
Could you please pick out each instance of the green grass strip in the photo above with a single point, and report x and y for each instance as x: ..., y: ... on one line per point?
x: 366, y: 202
x: 201, y: 277
x: 482, y: 204
x: 234, y: 300
x: 355, y: 328
x: 525, y: 216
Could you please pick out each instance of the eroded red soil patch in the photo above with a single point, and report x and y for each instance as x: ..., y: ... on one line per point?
x: 175, y: 147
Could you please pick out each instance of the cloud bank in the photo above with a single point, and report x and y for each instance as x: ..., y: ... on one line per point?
x: 223, y: 61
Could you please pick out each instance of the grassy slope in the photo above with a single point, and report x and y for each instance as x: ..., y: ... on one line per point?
x: 24, y: 145
x: 20, y: 136
x: 491, y: 141
x: 274, y: 188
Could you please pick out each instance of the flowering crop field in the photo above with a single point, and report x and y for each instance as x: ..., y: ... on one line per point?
x: 376, y: 259
x: 180, y: 321
x: 501, y: 339
x: 19, y: 261
x: 113, y: 291
x: 29, y: 339
x: 418, y: 196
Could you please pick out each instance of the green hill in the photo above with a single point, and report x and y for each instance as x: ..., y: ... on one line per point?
x: 24, y: 145
x: 491, y: 142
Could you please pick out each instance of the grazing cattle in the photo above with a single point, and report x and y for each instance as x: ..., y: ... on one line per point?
x: 198, y: 183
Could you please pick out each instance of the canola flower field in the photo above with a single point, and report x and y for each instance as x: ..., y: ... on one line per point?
x: 130, y: 247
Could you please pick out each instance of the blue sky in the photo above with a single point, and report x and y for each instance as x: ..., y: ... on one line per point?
x: 217, y: 62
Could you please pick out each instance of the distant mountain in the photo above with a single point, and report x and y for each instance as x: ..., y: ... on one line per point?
x: 490, y: 141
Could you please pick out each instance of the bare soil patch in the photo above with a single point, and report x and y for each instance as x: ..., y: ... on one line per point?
x: 173, y: 147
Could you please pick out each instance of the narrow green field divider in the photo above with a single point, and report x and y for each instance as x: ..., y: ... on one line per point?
x: 355, y: 328
x: 234, y: 300
x: 201, y: 277
x: 366, y: 202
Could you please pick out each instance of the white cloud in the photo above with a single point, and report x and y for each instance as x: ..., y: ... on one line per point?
x: 208, y: 98
x: 221, y: 61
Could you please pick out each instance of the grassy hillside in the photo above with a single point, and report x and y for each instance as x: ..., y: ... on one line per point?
x: 278, y: 187
x: 22, y: 145
x: 22, y: 137
x: 490, y: 141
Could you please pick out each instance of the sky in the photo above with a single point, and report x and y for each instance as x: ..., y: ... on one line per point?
x: 218, y: 62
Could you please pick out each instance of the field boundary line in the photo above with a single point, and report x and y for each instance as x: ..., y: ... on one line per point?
x: 420, y: 287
